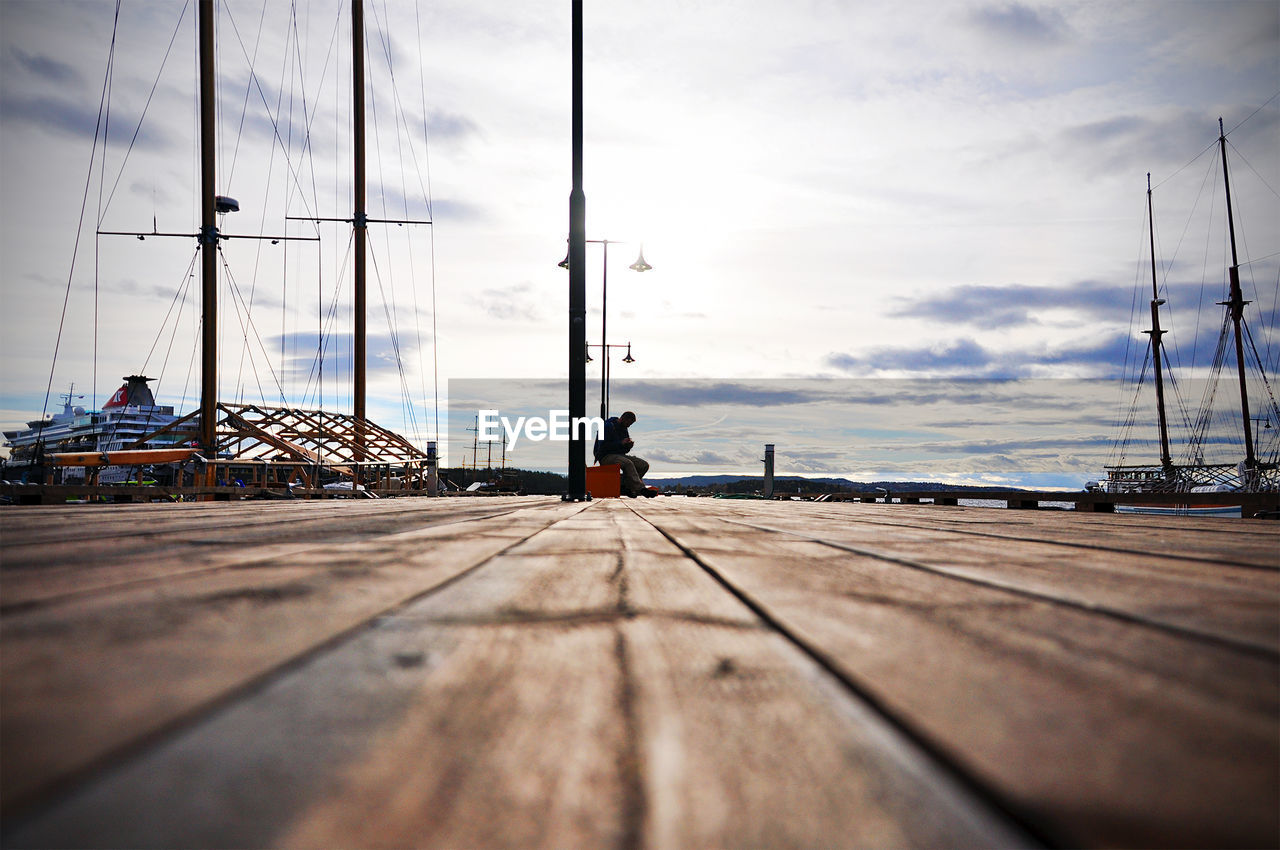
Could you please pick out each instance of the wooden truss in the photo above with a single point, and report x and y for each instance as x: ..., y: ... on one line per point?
x: 278, y: 445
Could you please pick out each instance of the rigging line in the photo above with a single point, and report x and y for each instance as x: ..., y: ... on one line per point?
x: 1263, y: 376
x: 253, y: 287
x: 395, y: 340
x: 97, y: 240
x: 1188, y: 164
x: 1212, y: 172
x: 377, y: 150
x: 179, y: 292
x: 257, y: 263
x: 402, y: 123
x: 138, y: 129
x: 244, y: 105
x: 426, y: 145
x: 401, y: 120
x: 308, y: 150
x: 84, y: 206
x: 1259, y: 259
x: 1173, y: 260
x: 1261, y: 179
x: 389, y: 304
x: 1253, y: 113
x: 275, y: 124
x: 327, y: 320
x: 191, y: 362
x: 184, y: 290
x: 1180, y: 400
x: 1253, y: 283
x: 1133, y: 307
x: 244, y: 318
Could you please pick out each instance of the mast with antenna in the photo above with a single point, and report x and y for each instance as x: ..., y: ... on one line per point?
x: 1166, y: 460
x: 360, y: 220
x: 1235, y: 304
x: 208, y: 240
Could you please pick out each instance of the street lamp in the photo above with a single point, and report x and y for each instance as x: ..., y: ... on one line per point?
x: 638, y: 266
x: 607, y: 368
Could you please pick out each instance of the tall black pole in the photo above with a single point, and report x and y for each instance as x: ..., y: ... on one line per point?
x: 604, y: 337
x: 577, y: 283
x: 360, y: 220
x: 1236, y: 305
x: 1166, y: 460
x: 208, y: 239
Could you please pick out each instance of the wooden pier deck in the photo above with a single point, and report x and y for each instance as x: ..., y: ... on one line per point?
x: 521, y: 672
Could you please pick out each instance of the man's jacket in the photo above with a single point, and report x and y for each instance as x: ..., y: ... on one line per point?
x: 611, y: 443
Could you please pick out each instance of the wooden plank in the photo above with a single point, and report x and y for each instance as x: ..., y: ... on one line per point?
x: 588, y: 687
x: 1215, y: 539
x: 75, y: 553
x: 1104, y: 731
x: 123, y: 458
x: 93, y: 676
x: 1239, y: 606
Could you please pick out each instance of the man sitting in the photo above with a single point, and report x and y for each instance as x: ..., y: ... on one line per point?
x: 614, y: 447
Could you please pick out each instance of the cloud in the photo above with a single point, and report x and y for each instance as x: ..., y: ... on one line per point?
x: 1046, y: 447
x: 301, y: 352
x: 398, y: 204
x: 1019, y: 23
x: 702, y: 457
x: 966, y: 358
x: 960, y: 355
x: 49, y: 69
x: 702, y: 393
x: 450, y: 126
x: 518, y: 302
x: 75, y: 120
x: 988, y: 307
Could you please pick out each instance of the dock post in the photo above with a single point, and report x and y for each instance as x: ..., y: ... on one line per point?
x: 768, y: 470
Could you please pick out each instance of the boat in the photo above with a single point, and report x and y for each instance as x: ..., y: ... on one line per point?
x: 1254, y: 469
x: 276, y: 445
x: 127, y: 417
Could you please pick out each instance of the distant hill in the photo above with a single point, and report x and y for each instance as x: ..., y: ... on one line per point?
x: 783, y: 483
x: 552, y: 483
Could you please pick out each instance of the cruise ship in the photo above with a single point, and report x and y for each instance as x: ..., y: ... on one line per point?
x: 129, y: 415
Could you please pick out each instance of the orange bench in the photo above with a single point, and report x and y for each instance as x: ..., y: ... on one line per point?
x: 604, y: 482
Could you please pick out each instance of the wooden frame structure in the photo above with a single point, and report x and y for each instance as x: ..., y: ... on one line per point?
x: 308, y: 446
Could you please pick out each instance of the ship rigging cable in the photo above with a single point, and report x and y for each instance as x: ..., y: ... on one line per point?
x: 84, y: 205
x: 293, y: 82
x: 1210, y: 435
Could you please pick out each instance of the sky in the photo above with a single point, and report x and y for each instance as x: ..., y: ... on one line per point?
x: 827, y: 191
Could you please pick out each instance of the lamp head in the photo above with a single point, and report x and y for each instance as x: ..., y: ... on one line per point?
x: 640, y: 265
x: 564, y: 264
x: 628, y: 358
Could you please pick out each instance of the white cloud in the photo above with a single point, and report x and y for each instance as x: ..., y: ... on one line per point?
x: 796, y: 175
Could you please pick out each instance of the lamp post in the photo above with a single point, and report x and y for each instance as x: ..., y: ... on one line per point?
x: 606, y: 369
x: 577, y: 491
x: 640, y: 265
x: 576, y: 261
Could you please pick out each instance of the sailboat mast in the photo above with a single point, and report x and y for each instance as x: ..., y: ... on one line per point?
x: 360, y: 220
x: 1236, y: 305
x: 1166, y: 460
x: 208, y: 238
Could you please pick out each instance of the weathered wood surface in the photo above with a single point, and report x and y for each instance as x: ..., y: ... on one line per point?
x: 664, y: 673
